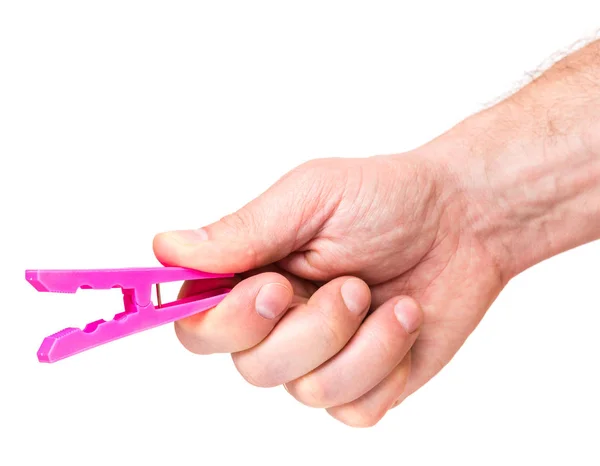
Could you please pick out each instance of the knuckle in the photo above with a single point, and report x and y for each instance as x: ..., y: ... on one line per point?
x: 382, y: 343
x: 310, y: 167
x: 189, y: 340
x: 310, y: 391
x: 255, y: 374
x: 317, y: 179
x: 243, y: 223
x: 332, y: 331
x: 240, y: 220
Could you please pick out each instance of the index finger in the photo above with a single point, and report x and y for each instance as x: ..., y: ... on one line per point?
x: 239, y: 322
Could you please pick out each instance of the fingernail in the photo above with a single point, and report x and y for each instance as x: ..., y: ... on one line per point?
x: 272, y: 300
x: 355, y: 295
x: 187, y: 237
x: 408, y: 314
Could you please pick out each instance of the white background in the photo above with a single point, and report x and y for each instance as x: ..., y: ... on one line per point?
x: 121, y: 119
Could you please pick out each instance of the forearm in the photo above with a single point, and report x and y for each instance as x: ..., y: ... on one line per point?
x: 530, y: 173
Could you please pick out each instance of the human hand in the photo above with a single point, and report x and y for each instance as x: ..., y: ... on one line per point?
x: 359, y: 279
x: 330, y: 242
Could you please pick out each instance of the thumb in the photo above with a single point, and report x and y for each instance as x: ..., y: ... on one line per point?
x: 267, y: 229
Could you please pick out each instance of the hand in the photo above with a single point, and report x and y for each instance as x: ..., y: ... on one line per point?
x: 359, y: 279
x: 332, y: 258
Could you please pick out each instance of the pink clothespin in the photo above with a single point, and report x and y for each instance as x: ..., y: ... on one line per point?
x: 140, y: 313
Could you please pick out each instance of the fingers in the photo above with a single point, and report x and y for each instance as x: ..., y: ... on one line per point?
x: 308, y: 335
x: 246, y: 316
x: 324, y: 348
x: 373, y: 353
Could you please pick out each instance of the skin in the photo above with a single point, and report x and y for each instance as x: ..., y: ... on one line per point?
x: 358, y: 280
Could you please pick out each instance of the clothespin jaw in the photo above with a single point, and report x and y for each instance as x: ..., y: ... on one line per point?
x: 139, y: 312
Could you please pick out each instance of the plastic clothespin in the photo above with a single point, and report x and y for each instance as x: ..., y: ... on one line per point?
x: 140, y: 313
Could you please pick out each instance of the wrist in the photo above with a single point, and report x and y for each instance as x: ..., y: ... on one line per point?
x: 527, y: 173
